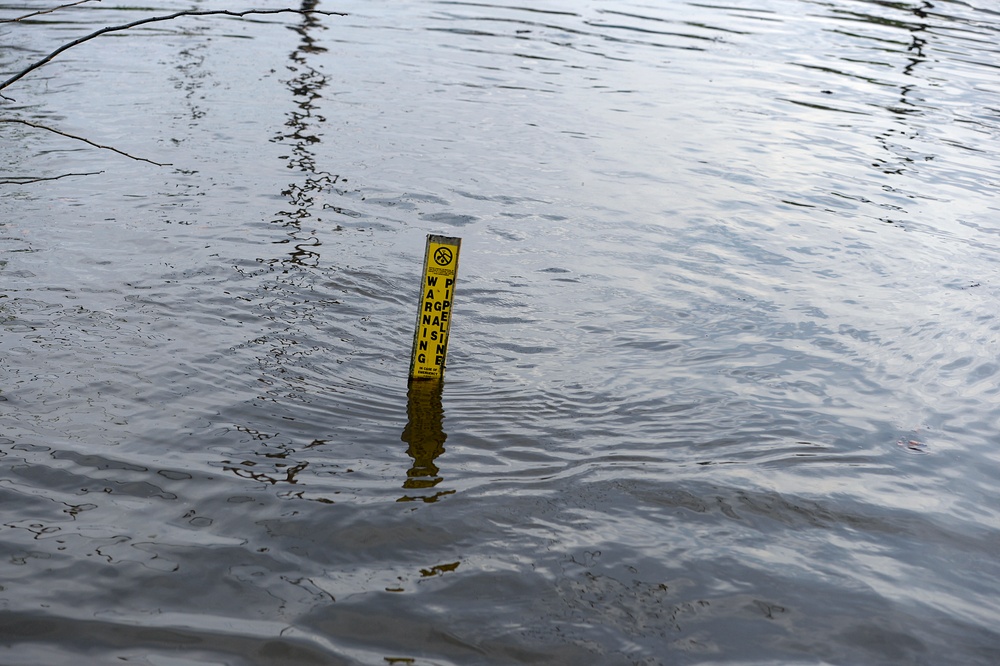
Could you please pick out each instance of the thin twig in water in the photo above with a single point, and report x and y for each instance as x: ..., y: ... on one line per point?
x: 46, y: 11
x: 152, y: 19
x: 80, y: 138
x: 27, y: 180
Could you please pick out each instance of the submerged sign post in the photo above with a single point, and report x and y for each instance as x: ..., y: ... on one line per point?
x: 437, y: 292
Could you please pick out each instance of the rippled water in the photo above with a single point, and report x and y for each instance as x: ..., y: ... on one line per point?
x: 723, y: 373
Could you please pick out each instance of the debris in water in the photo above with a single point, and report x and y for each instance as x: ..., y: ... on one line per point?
x: 912, y: 445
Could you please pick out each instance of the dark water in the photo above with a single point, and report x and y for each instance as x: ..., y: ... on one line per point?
x: 723, y: 374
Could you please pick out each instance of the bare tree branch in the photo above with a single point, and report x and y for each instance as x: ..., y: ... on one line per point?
x: 27, y: 180
x: 46, y: 11
x: 80, y: 138
x: 152, y: 19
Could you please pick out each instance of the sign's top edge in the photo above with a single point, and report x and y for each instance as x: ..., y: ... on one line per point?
x: 444, y: 240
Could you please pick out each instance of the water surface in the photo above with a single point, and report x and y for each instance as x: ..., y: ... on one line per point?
x: 722, y: 382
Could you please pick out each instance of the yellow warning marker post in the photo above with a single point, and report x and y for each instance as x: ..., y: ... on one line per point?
x: 437, y: 292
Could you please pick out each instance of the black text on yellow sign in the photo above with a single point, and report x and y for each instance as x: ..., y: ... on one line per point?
x: 437, y: 293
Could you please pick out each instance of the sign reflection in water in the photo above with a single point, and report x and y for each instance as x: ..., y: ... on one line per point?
x: 424, y: 432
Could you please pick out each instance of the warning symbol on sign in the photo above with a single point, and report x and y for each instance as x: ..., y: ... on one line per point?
x: 443, y: 256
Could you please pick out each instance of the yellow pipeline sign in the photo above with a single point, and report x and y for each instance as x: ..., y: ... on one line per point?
x: 437, y: 291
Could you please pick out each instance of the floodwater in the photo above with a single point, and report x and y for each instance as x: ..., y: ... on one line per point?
x: 723, y: 382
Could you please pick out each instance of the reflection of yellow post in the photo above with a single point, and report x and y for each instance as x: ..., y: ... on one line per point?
x: 437, y: 293
x: 424, y: 433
